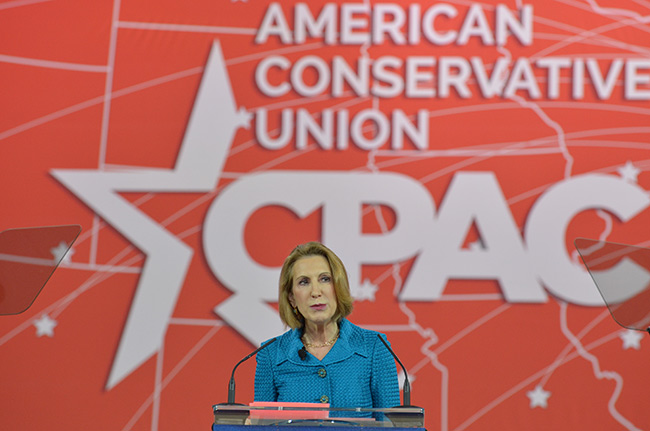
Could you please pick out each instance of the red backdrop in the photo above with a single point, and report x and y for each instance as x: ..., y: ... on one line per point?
x: 448, y: 152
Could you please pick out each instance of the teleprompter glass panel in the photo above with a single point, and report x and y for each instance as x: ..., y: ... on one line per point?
x: 621, y: 273
x: 28, y: 257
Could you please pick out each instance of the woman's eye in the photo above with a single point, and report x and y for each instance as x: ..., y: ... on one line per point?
x: 325, y: 279
x: 302, y: 282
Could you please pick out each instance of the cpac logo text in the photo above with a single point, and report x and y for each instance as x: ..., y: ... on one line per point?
x: 526, y: 268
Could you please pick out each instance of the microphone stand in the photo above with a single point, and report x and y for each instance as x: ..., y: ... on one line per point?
x: 408, y: 419
x: 235, y: 416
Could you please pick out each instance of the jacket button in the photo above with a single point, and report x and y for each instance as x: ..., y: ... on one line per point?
x: 324, y: 399
x: 322, y: 372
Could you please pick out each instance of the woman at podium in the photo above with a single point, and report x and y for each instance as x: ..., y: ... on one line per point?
x: 324, y: 358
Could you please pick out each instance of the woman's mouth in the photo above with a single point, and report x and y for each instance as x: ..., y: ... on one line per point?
x: 318, y: 307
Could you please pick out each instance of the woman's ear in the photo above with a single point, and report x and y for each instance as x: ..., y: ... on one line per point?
x: 291, y: 300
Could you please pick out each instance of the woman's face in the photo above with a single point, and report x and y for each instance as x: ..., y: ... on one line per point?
x: 312, y: 290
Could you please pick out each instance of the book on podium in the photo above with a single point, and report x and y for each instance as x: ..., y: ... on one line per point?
x: 310, y: 416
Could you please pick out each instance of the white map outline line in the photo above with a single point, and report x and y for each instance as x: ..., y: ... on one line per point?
x: 543, y: 372
x: 106, y: 112
x: 171, y: 375
x: 600, y: 106
x: 529, y: 380
x: 537, y: 142
x: 20, y: 3
x: 57, y: 307
x: 63, y: 302
x: 540, y: 189
x: 568, y: 348
x: 467, y: 162
x: 498, y: 151
x: 157, y: 388
x: 461, y: 297
x: 593, y: 37
x: 196, y: 70
x: 567, y: 173
x: 95, y: 101
x: 546, y: 119
x: 428, y: 334
x: 472, y: 326
x: 581, y: 33
x: 609, y: 226
x: 552, y: 22
x: 85, y: 235
x: 567, y: 156
x: 563, y: 306
x: 587, y: 42
x: 606, y: 11
x: 398, y: 282
x: 372, y: 167
x: 598, y: 372
x: 642, y: 3
x: 185, y: 28
x: 51, y: 64
x: 129, y: 90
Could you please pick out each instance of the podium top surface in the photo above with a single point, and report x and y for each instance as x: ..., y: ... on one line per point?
x: 317, y: 415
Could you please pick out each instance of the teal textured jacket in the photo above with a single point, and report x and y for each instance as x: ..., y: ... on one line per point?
x: 357, y: 372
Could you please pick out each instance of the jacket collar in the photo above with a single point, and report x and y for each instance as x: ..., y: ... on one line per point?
x: 350, y: 342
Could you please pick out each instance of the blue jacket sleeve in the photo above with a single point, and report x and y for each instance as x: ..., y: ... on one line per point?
x: 384, y: 384
x: 264, y: 382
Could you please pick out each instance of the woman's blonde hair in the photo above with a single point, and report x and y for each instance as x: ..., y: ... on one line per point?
x: 293, y: 318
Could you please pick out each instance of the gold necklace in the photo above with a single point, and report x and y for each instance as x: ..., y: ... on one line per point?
x: 325, y: 344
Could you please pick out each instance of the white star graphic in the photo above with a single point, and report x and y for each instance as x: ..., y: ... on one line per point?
x: 207, y: 140
x: 366, y: 291
x: 629, y: 172
x: 62, y: 253
x: 631, y: 339
x: 243, y: 118
x: 538, y: 397
x: 45, y: 326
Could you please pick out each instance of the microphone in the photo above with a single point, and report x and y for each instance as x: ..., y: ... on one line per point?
x: 302, y: 353
x: 231, y: 385
x: 406, y: 415
x: 407, y: 385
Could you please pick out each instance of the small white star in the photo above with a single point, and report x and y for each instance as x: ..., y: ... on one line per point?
x: 631, y: 339
x: 366, y: 291
x: 45, y: 326
x: 244, y: 118
x: 629, y: 172
x: 538, y: 397
x: 62, y: 253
